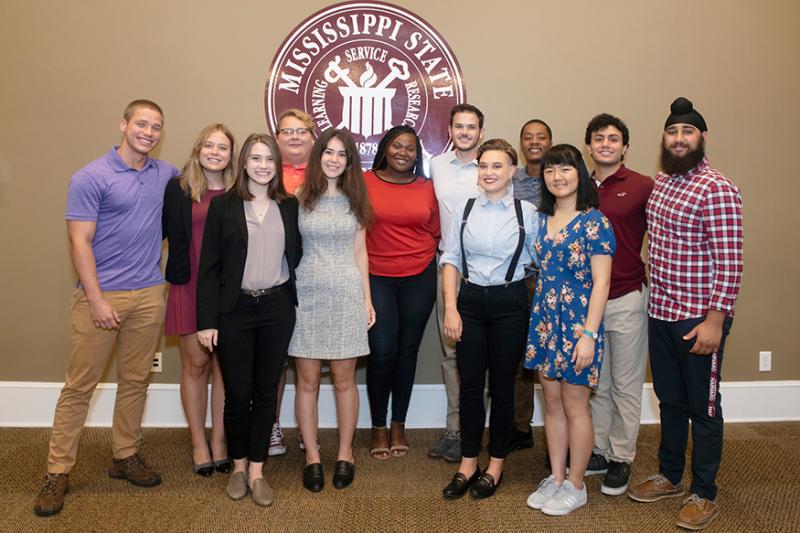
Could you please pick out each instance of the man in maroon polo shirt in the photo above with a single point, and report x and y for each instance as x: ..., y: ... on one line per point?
x: 616, y: 405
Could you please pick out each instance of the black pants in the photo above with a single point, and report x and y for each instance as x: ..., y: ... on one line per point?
x: 687, y: 387
x: 402, y: 308
x: 253, y: 340
x: 495, y: 326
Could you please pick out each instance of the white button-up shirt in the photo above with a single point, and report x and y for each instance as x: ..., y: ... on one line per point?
x: 453, y: 182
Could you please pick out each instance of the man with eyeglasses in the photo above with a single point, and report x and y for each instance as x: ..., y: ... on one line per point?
x: 295, y: 136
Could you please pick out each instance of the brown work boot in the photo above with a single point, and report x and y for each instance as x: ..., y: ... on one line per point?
x: 697, y: 513
x: 50, y: 499
x: 135, y: 470
x: 655, y: 488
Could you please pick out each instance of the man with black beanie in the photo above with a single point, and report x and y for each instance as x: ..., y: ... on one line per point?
x: 694, y: 221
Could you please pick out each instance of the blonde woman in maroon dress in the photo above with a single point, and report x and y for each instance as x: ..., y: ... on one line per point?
x: 208, y: 173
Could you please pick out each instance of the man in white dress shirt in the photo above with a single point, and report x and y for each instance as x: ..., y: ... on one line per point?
x: 455, y: 178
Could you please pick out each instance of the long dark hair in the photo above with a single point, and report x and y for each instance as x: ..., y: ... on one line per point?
x: 380, y: 156
x: 350, y: 183
x: 275, y: 189
x: 566, y: 154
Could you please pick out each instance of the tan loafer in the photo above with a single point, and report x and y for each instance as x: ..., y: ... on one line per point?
x: 262, y: 493
x: 237, y: 486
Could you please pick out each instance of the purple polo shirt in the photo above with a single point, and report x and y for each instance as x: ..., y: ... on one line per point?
x: 623, y: 198
x: 126, y: 205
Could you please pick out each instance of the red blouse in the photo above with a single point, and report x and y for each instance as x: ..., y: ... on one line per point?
x: 405, y: 230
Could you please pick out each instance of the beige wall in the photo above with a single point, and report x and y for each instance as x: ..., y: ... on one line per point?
x: 68, y: 69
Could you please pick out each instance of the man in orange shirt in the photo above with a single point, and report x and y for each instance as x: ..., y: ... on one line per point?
x: 295, y: 135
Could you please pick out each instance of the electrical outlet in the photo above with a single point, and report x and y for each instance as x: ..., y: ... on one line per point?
x: 765, y: 361
x: 157, y: 363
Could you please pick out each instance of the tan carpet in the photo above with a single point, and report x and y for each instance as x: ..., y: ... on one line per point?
x: 759, y: 490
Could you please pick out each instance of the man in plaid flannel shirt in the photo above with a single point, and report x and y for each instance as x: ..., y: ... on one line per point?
x: 694, y: 220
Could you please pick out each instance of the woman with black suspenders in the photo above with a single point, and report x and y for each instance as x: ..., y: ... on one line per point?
x: 491, y: 242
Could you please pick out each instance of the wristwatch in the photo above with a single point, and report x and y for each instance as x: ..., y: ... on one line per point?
x: 591, y: 334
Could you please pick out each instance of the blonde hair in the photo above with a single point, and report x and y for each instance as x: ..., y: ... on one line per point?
x: 193, y: 178
x: 300, y: 115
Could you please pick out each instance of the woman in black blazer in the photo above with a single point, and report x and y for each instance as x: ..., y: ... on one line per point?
x: 246, y: 302
x: 208, y: 173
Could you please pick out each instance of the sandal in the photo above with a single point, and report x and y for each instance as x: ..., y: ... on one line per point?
x: 398, y: 434
x: 379, y: 450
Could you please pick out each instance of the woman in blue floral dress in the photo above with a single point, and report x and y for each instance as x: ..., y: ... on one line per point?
x: 575, y: 244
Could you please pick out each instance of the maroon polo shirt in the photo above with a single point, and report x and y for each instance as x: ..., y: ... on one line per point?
x: 623, y: 198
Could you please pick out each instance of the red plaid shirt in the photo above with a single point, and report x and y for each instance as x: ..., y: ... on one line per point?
x: 694, y: 223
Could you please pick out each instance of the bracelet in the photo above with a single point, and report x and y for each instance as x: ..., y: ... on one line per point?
x: 591, y: 334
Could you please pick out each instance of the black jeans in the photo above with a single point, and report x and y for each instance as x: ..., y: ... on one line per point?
x: 494, y: 332
x: 687, y: 387
x: 402, y: 308
x: 253, y: 340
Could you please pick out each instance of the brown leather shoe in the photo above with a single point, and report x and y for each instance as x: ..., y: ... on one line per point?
x: 697, y: 513
x: 655, y: 488
x: 50, y: 499
x: 135, y: 470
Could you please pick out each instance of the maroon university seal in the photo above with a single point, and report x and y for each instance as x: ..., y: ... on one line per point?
x: 367, y: 66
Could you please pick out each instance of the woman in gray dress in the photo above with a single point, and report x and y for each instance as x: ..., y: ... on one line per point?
x: 335, y: 309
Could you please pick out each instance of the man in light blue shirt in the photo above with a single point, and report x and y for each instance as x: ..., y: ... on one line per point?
x: 455, y: 177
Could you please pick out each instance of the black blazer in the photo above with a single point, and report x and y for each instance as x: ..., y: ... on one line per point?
x: 176, y: 227
x: 224, y: 253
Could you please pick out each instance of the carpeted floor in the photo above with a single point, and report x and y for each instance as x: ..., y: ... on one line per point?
x: 759, y: 490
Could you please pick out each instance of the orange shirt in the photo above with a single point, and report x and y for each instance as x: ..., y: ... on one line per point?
x: 293, y: 176
x: 405, y: 231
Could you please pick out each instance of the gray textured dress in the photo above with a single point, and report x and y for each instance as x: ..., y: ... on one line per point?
x: 331, y: 318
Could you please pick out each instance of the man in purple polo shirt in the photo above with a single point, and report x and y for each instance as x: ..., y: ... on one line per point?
x: 617, y: 403
x: 114, y: 225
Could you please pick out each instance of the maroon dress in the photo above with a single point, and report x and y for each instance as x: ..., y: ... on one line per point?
x: 181, y: 317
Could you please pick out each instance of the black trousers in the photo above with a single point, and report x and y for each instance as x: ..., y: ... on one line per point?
x: 253, y: 340
x: 495, y: 326
x: 687, y: 387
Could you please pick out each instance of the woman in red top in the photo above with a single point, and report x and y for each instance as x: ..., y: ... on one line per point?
x: 402, y: 272
x: 208, y: 174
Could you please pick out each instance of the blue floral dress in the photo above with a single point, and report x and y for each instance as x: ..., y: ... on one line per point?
x: 561, y: 303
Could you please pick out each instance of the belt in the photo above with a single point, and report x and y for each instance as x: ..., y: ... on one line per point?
x: 257, y: 293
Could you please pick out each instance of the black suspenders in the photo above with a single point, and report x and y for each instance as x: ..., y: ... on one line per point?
x: 520, y: 243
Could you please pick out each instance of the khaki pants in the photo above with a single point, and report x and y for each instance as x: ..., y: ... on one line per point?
x: 617, y: 403
x: 141, y: 314
x: 449, y: 368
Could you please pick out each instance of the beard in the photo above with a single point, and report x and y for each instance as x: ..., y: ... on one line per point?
x: 676, y: 165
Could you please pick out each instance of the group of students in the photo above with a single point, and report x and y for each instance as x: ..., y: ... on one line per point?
x: 291, y: 249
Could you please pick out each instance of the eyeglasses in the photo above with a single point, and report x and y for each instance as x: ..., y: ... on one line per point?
x: 292, y: 131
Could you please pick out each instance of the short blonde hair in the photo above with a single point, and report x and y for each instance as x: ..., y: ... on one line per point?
x: 131, y: 108
x: 300, y: 115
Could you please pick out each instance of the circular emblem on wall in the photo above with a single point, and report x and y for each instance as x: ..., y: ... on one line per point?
x: 367, y: 66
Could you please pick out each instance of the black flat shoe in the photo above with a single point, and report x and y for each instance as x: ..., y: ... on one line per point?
x: 484, y: 487
x: 343, y: 474
x: 313, y: 477
x: 459, y: 485
x: 205, y: 469
x: 223, y: 466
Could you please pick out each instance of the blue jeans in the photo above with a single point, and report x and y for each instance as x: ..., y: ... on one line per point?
x: 402, y: 308
x: 687, y: 387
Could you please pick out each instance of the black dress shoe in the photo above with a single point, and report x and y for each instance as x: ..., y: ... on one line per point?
x: 343, y: 474
x: 484, y: 486
x: 223, y: 466
x: 459, y: 485
x: 205, y: 469
x: 520, y: 440
x: 313, y: 478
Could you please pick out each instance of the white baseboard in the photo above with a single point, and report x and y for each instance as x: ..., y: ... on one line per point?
x: 31, y: 404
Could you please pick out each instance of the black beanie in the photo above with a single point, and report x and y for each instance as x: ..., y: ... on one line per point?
x: 683, y: 112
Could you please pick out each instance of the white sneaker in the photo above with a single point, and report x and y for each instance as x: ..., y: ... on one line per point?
x: 547, y: 488
x: 566, y: 499
x: 277, y: 446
